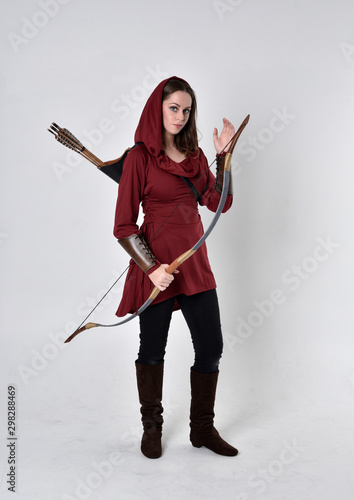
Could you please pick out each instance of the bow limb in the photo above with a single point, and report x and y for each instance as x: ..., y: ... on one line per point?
x: 186, y: 255
x: 227, y: 167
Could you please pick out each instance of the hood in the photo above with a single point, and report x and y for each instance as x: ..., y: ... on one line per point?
x: 149, y: 130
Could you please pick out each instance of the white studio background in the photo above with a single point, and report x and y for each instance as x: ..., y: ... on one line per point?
x: 282, y: 255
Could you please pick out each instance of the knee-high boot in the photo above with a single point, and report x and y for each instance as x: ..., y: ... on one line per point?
x: 203, y: 432
x: 149, y: 381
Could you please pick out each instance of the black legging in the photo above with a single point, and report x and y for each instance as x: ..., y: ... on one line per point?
x: 201, y: 312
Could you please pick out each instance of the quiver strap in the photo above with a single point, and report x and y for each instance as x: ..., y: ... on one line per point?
x: 114, y: 168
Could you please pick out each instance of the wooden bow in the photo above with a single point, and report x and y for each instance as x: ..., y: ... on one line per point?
x: 186, y: 255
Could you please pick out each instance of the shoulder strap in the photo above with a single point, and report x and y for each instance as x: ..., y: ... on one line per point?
x: 192, y: 188
x: 114, y: 170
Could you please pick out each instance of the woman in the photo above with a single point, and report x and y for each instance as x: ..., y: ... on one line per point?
x: 152, y: 176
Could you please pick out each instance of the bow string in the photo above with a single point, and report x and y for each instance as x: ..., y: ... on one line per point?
x: 186, y: 255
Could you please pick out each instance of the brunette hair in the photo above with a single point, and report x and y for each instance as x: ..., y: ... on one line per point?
x: 187, y: 139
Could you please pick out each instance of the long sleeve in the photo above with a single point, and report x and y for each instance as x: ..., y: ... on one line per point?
x: 130, y: 194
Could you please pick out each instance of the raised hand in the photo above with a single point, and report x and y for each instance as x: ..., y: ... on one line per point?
x: 226, y: 135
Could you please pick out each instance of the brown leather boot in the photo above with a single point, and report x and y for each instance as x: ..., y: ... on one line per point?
x: 203, y: 432
x: 149, y: 380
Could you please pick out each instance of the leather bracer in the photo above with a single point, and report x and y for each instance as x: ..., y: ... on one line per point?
x: 139, y: 251
x: 220, y: 162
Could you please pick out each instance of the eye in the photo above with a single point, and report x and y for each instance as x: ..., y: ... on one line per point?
x: 186, y: 111
x: 173, y: 108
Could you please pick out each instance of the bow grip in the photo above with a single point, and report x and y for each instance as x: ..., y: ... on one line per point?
x: 172, y: 267
x: 182, y: 258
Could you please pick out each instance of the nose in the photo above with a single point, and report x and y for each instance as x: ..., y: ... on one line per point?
x: 181, y: 116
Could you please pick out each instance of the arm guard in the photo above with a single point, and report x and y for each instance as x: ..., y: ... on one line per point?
x: 139, y: 251
x: 220, y: 162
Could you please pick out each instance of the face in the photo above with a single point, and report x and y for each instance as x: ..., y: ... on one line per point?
x: 175, y: 112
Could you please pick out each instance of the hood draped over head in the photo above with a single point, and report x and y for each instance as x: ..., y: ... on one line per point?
x: 149, y: 131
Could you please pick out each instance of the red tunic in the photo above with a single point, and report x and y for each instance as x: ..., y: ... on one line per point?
x: 161, y: 190
x: 172, y: 222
